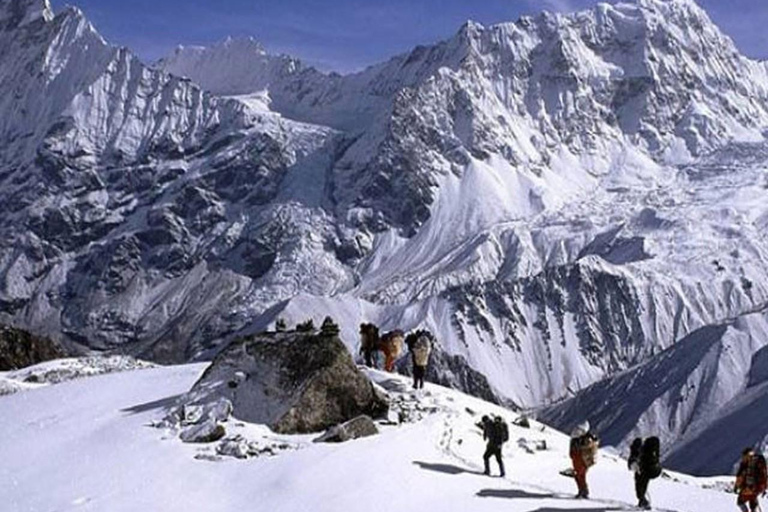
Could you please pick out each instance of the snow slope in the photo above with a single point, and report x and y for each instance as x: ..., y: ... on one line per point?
x: 88, y: 443
x: 694, y: 396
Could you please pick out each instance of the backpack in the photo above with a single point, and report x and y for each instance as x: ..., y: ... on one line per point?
x: 421, y: 350
x: 762, y: 474
x: 586, y: 448
x: 503, y: 430
x: 650, y: 464
x: 498, y: 433
x: 753, y: 474
x: 634, y: 454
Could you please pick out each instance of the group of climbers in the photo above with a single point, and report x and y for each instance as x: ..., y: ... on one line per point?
x: 644, y: 461
x: 644, y: 457
x: 420, y: 344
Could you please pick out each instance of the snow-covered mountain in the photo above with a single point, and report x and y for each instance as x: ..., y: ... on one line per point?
x: 703, y: 396
x: 559, y: 199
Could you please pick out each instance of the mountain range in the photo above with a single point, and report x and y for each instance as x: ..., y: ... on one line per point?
x: 574, y: 204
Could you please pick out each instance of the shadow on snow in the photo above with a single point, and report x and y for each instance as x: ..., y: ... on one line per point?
x: 448, y: 469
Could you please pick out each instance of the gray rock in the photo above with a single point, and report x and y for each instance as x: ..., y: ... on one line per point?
x: 522, y: 422
x: 362, y: 426
x: 19, y: 349
x: 207, y: 431
x: 454, y: 371
x: 295, y: 382
x: 237, y: 447
x: 193, y: 414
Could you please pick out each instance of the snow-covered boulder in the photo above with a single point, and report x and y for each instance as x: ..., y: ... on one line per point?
x: 207, y: 431
x: 64, y: 370
x: 200, y: 422
x: 362, y: 426
x: 295, y: 382
x: 237, y: 447
x: 219, y: 410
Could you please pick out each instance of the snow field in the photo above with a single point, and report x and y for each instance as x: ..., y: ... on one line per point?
x: 86, y: 445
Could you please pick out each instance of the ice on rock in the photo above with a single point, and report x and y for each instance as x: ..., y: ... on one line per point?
x: 17, y: 13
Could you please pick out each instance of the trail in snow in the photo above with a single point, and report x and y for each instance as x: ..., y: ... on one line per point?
x: 85, y: 445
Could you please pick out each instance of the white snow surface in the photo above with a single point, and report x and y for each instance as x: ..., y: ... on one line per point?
x: 86, y: 445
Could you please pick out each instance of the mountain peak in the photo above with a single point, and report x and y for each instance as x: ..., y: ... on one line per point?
x: 232, y: 66
x: 688, y: 9
x: 16, y: 13
x: 243, y: 44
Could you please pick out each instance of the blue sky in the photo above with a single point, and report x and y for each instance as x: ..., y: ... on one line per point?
x: 345, y: 35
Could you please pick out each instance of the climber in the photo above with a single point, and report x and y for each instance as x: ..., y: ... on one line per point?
x: 496, y: 433
x: 391, y: 344
x: 751, y: 480
x: 644, y: 460
x: 583, y: 455
x: 369, y: 343
x: 420, y: 344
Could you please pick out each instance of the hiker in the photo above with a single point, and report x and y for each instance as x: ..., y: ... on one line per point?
x: 496, y: 433
x: 392, y: 345
x: 420, y: 346
x: 751, y: 480
x: 644, y: 461
x: 369, y: 341
x: 583, y: 455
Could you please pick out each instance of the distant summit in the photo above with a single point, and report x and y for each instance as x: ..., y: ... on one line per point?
x: 233, y: 66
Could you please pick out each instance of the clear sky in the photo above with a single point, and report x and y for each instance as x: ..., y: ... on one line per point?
x: 345, y: 35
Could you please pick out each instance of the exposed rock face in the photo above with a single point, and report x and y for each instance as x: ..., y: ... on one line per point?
x: 453, y: 371
x: 362, y: 426
x: 294, y: 382
x: 19, y: 348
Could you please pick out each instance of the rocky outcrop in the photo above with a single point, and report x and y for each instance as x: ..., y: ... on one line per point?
x: 295, y: 382
x: 19, y: 349
x: 362, y: 426
x: 453, y: 371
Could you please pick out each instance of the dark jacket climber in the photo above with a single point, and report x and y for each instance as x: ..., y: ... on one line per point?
x: 496, y: 433
x: 751, y: 480
x: 644, y: 460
